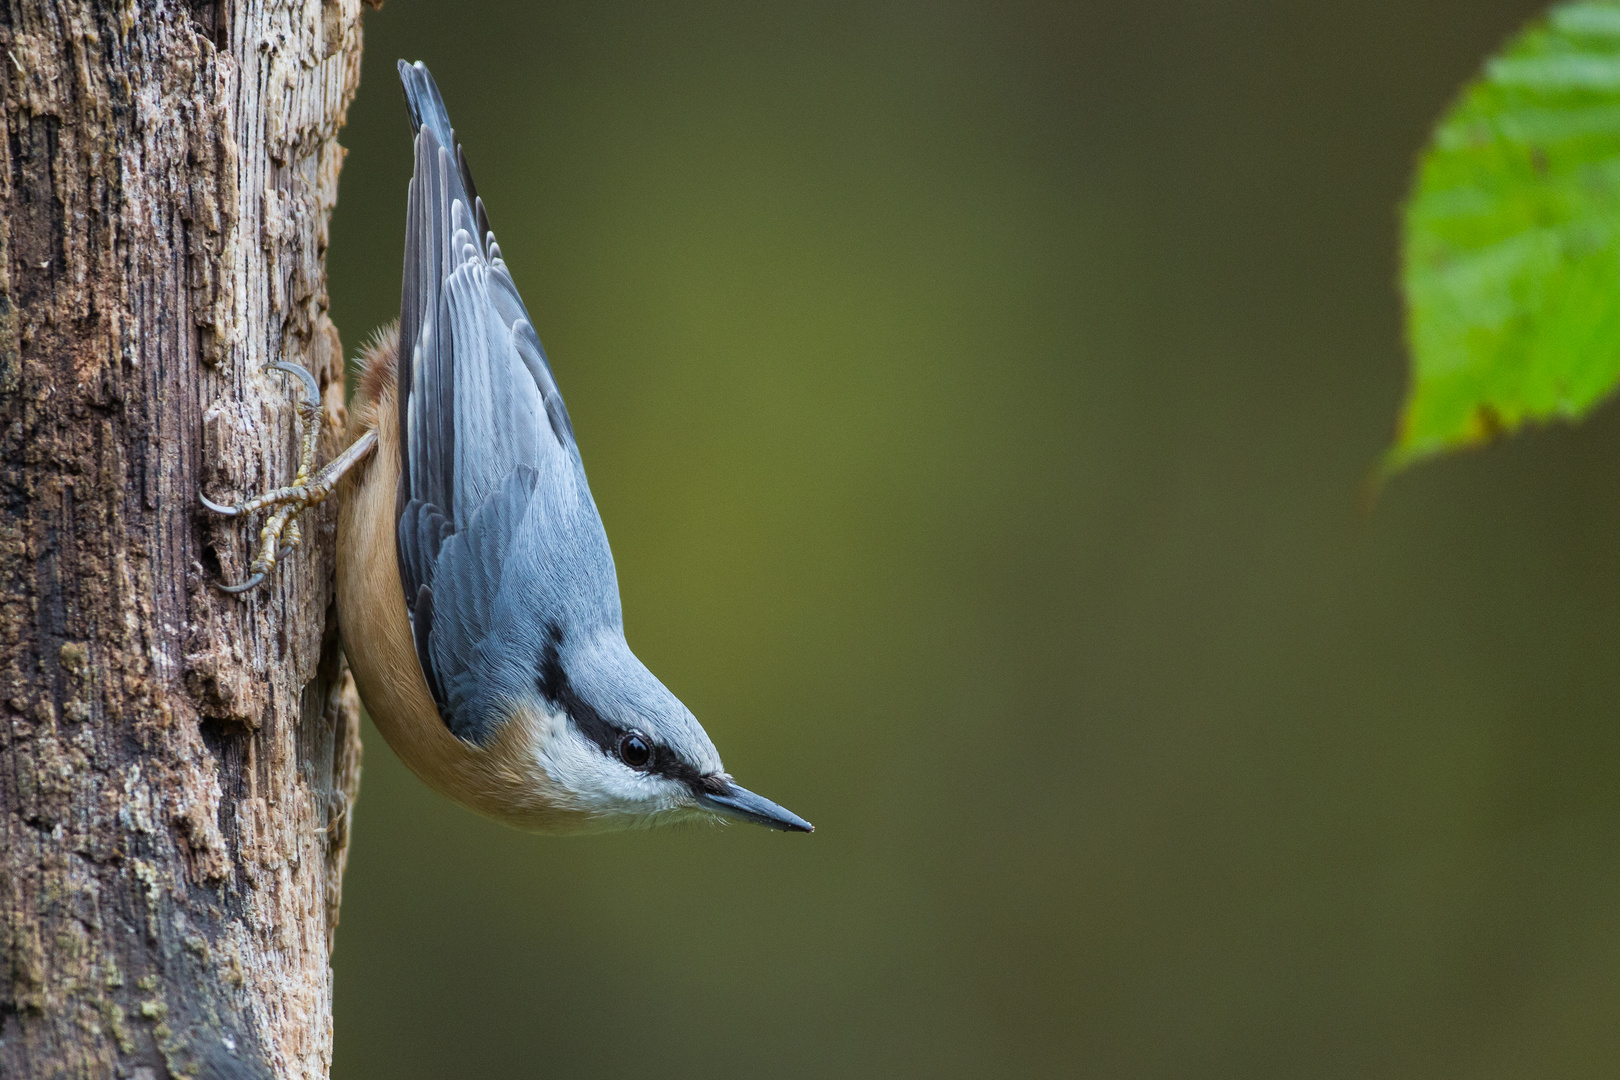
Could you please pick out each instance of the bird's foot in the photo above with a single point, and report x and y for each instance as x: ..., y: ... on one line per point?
x: 281, y: 533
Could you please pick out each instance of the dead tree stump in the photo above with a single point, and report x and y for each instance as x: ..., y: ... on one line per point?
x: 176, y: 765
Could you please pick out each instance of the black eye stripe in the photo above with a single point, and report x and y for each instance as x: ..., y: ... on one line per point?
x: 554, y: 686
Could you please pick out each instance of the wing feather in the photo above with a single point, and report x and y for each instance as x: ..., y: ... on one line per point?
x: 490, y: 473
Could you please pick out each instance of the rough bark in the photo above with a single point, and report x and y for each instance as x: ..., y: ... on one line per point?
x: 176, y: 765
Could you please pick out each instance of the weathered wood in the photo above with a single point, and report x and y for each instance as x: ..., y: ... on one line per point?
x: 176, y: 765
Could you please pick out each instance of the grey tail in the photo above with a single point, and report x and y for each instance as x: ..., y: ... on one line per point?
x: 427, y: 109
x: 425, y: 105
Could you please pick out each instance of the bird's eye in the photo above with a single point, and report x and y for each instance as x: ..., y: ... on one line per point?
x: 634, y: 751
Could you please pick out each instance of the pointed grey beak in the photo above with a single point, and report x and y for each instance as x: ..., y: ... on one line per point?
x: 744, y: 805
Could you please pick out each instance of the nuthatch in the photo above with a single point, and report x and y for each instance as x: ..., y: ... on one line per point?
x: 476, y: 593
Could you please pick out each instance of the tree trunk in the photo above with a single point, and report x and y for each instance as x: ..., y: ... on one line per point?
x: 176, y: 764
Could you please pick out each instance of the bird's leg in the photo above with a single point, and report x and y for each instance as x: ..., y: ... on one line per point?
x: 281, y: 533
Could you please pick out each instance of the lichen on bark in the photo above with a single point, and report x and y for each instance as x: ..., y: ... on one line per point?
x: 177, y: 766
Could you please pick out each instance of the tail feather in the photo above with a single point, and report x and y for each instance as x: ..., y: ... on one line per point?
x: 427, y: 110
x: 425, y: 105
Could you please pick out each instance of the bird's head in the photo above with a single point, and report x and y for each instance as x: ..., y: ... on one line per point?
x: 621, y: 750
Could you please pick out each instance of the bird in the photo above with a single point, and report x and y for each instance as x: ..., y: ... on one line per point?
x: 477, y: 598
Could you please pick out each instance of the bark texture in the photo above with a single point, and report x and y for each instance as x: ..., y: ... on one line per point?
x: 176, y: 765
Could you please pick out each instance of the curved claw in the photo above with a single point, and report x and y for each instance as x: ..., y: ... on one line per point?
x: 251, y: 583
x: 218, y: 508
x: 312, y: 389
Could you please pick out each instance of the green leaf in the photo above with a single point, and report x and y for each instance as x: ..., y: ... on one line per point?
x: 1511, y: 261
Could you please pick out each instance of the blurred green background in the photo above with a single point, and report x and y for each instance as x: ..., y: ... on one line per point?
x: 977, y: 396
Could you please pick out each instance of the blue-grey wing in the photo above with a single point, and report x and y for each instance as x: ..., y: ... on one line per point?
x: 497, y: 535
